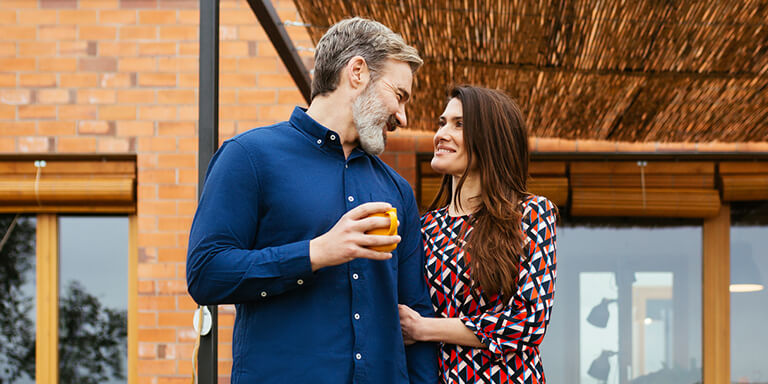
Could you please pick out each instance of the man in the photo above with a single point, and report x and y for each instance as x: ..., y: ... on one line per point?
x: 280, y: 228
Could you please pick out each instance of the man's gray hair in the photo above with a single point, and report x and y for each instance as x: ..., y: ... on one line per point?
x: 358, y: 37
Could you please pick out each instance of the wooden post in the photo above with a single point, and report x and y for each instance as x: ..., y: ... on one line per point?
x: 715, y: 309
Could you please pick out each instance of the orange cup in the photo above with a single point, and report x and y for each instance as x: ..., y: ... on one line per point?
x: 392, y: 230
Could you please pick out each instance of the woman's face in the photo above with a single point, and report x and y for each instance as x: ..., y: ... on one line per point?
x: 450, y: 154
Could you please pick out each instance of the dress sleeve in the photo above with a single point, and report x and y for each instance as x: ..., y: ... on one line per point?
x: 522, y: 322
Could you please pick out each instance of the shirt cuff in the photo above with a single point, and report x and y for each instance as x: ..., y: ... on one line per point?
x: 486, y: 339
x: 294, y: 261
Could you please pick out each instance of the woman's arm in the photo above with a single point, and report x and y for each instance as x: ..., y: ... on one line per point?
x: 448, y: 330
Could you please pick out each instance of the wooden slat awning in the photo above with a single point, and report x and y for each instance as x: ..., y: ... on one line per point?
x: 68, y: 185
x: 683, y: 71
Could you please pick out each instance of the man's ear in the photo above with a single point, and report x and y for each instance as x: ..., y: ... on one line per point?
x: 357, y: 72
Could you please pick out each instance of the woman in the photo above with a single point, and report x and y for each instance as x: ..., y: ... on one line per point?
x: 490, y: 247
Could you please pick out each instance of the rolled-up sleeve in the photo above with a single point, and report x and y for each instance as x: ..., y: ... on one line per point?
x: 222, y: 267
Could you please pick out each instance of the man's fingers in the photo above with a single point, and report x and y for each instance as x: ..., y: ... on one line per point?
x: 367, y: 209
x: 377, y: 240
x: 373, y: 255
x: 371, y: 223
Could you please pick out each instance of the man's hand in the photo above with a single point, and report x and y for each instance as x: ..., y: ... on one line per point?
x: 347, y: 240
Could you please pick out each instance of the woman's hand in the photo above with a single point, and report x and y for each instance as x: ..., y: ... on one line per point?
x: 410, y: 323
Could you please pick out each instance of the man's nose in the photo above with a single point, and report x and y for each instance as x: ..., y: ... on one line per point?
x: 402, y: 120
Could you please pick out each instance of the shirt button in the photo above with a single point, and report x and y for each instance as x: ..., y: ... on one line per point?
x: 357, y: 316
x: 358, y: 356
x: 351, y: 199
x: 355, y: 276
x: 346, y: 165
x: 299, y: 281
x: 319, y: 141
x: 333, y: 137
x: 263, y: 294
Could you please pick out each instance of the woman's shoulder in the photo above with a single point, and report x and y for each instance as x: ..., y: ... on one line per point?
x: 535, y: 206
x: 433, y: 215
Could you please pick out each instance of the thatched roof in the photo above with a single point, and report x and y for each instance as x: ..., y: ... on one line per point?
x: 682, y: 71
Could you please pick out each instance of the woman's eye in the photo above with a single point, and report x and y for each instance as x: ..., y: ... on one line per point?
x: 441, y: 123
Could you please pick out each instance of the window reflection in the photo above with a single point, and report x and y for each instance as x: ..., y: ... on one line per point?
x: 17, y: 299
x: 749, y: 303
x: 627, y: 306
x: 93, y: 262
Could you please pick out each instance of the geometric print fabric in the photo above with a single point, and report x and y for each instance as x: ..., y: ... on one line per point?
x: 512, y: 330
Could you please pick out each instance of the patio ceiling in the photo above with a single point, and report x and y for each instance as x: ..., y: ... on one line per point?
x: 669, y: 71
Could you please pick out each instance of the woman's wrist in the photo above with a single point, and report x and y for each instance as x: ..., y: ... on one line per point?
x: 423, y: 328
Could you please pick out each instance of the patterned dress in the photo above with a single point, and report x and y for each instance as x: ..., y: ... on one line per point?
x: 511, y: 330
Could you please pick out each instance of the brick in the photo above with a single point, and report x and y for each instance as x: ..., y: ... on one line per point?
x: 99, y: 4
x: 191, y: 16
x: 96, y: 127
x: 33, y: 144
x: 78, y: 16
x: 293, y: 97
x: 237, y: 80
x: 173, y: 96
x: 158, y: 144
x: 227, y: 96
x: 8, y: 17
x: 36, y: 48
x: 117, y: 17
x: 137, y: 64
x: 156, y: 270
x: 166, y: 255
x: 177, y: 4
x: 236, y: 17
x: 152, y: 49
x: 257, y: 64
x: 228, y: 65
x: 188, y: 113
x: 163, y: 303
x: 17, y: 128
x: 147, y: 320
x: 56, y: 128
x: 76, y: 144
x: 157, y: 367
x: 37, y: 79
x: 7, y: 49
x: 98, y: 64
x: 135, y: 128
x: 188, y: 80
x: 189, y: 49
x: 7, y: 112
x: 237, y: 112
x: 187, y: 145
x: 7, y: 80
x: 128, y: 4
x: 116, y: 80
x: 155, y: 176
x: 14, y: 64
x: 53, y: 96
x: 154, y: 17
x: 175, y: 319
x: 275, y: 112
x: 138, y: 32
x: 175, y: 128
x: 36, y: 16
x: 157, y: 80
x: 37, y: 112
x: 177, y: 64
x: 179, y: 32
x: 117, y: 112
x: 177, y: 161
x: 15, y: 96
x: 79, y: 80
x: 17, y: 32
x: 233, y: 48
x: 157, y: 112
x: 146, y: 192
x: 256, y: 96
x: 157, y: 207
x: 147, y: 351
x: 77, y: 112
x: 117, y: 49
x: 73, y: 47
x: 157, y: 239
x: 171, y: 287
x: 113, y: 145
x: 96, y: 96
x: 173, y: 192
x: 56, y: 32
x: 57, y: 4
x: 185, y: 302
x: 58, y: 64
x: 97, y: 32
x: 7, y: 144
x: 136, y: 96
x: 281, y: 80
x: 157, y: 335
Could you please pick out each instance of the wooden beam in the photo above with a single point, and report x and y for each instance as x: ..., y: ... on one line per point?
x: 686, y: 203
x: 47, y: 323
x: 715, y: 280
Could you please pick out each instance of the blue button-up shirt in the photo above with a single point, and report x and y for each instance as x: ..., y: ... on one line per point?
x: 268, y: 192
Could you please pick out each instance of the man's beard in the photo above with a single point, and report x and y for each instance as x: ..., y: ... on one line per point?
x: 370, y: 117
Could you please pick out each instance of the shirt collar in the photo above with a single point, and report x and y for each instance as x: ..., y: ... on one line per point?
x: 316, y: 132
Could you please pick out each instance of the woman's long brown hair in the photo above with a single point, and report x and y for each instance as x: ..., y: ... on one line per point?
x: 496, y: 141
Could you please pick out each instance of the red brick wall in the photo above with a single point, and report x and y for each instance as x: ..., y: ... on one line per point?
x: 120, y: 76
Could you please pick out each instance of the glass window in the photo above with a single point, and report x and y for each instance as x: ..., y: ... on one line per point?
x: 17, y: 298
x: 93, y: 299
x: 627, y: 305
x: 749, y: 302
